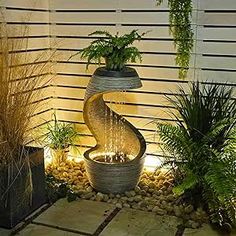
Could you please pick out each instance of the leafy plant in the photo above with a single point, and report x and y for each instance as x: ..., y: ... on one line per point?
x: 57, y: 189
x: 60, y: 135
x: 22, y: 79
x: 203, y: 148
x: 180, y: 28
x: 116, y: 50
x: 22, y: 82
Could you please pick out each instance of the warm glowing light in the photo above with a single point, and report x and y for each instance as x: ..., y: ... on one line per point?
x: 152, y: 162
x: 48, y: 157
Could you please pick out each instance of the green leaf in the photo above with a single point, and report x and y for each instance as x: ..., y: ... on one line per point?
x: 189, y: 182
x: 115, y: 50
x: 180, y: 27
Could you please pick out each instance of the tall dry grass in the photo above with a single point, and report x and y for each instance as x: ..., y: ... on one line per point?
x: 22, y: 78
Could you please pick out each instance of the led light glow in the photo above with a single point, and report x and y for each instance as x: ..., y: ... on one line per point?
x: 152, y: 162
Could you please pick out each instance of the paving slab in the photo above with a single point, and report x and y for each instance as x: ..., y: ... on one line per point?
x: 205, y: 230
x: 39, y: 230
x: 4, y: 232
x: 81, y: 216
x: 129, y: 222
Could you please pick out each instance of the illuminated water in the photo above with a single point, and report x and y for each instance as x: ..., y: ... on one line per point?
x: 114, y: 131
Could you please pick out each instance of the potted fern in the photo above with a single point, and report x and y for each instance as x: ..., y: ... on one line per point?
x: 115, y: 163
x: 59, y: 137
x: 203, y: 149
x: 115, y: 50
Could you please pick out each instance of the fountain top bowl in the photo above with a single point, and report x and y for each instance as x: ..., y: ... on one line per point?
x: 104, y: 80
x: 126, y: 72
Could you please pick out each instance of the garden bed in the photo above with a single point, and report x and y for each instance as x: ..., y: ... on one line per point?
x: 153, y: 193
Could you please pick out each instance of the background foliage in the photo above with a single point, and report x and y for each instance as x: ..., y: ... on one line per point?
x: 180, y: 27
x: 203, y: 146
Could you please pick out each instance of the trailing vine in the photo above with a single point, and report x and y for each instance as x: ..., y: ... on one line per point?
x: 180, y: 27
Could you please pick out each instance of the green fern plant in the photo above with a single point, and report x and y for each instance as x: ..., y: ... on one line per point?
x: 203, y: 148
x: 180, y: 27
x: 115, y: 50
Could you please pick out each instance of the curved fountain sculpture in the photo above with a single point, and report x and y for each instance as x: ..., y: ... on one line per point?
x: 111, y: 176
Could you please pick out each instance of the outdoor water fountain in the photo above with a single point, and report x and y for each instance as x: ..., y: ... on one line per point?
x: 114, y: 165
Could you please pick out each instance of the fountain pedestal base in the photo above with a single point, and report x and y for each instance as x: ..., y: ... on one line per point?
x: 104, y: 123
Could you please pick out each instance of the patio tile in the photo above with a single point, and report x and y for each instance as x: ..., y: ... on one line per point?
x: 205, y: 230
x: 38, y: 230
x: 130, y: 222
x: 5, y: 232
x: 82, y: 215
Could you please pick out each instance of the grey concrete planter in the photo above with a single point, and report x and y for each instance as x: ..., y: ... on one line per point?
x: 112, y: 177
x: 19, y: 202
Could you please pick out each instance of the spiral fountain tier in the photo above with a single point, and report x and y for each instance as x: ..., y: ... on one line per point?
x: 112, y: 166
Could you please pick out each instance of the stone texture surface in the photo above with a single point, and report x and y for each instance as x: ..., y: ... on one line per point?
x: 129, y: 222
x: 83, y: 216
x: 38, y: 230
x: 205, y: 230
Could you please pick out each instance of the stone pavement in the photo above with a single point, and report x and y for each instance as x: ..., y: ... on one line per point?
x: 92, y: 218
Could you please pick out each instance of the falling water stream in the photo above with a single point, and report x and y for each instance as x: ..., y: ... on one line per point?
x: 114, y: 131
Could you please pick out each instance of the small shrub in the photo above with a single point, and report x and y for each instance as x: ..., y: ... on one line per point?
x: 203, y: 149
x: 60, y: 135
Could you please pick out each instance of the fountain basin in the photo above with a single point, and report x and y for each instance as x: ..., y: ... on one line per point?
x: 108, y: 177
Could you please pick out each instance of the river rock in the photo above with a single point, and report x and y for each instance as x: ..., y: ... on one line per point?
x: 177, y: 211
x: 137, y: 189
x: 150, y: 207
x: 151, y: 190
x: 111, y: 195
x: 138, y: 198
x: 114, y: 201
x: 159, y: 211
x: 188, y: 209
x: 142, y: 204
x: 129, y: 194
x: 89, y: 189
x: 170, y: 198
x: 99, y: 197
x: 88, y: 195
x: 151, y: 185
x: 118, y: 205
x: 193, y: 224
x: 105, y: 197
x: 130, y: 199
x: 143, y: 192
x: 126, y: 205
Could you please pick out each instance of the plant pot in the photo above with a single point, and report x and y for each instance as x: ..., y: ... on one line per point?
x: 112, y: 177
x: 20, y: 200
x: 59, y: 156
